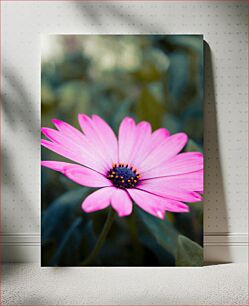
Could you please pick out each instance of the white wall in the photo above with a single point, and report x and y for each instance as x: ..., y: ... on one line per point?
x: 224, y: 25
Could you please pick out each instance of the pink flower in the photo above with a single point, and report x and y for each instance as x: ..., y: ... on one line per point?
x: 141, y: 166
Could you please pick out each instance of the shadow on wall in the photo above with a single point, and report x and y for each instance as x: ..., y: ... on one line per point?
x: 215, y: 199
x: 19, y: 116
x: 18, y: 103
x: 94, y: 13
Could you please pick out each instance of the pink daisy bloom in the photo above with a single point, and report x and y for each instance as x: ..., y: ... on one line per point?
x: 141, y: 166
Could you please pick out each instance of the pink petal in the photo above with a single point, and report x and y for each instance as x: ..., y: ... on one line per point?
x: 121, y: 202
x: 156, y: 140
x: 86, y: 125
x: 142, y: 142
x: 180, y: 188
x: 163, y: 152
x: 98, y: 200
x: 59, y: 137
x: 159, y: 136
x: 180, y: 164
x: 68, y: 130
x: 126, y: 139
x: 156, y: 205
x: 72, y: 144
x: 75, y: 154
x: 192, y: 181
x: 57, y: 148
x: 175, y: 206
x: 101, y: 136
x: 147, y: 202
x: 55, y: 136
x: 78, y: 174
x: 109, y: 138
x: 71, y: 137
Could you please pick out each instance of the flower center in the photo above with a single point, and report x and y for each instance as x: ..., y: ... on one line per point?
x: 123, y: 176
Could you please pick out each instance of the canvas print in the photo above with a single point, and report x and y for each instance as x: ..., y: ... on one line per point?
x: 122, y: 150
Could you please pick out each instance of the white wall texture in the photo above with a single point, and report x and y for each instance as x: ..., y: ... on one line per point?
x: 224, y: 26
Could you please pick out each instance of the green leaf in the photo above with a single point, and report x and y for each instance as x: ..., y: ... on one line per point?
x: 189, y: 253
x: 148, y: 73
x: 193, y: 147
x: 60, y: 214
x: 161, y: 230
x: 68, y: 251
x: 149, y: 108
x: 74, y: 95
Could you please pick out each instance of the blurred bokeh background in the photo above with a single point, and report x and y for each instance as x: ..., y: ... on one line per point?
x: 158, y: 78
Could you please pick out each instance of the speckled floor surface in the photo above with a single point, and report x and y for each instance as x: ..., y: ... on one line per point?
x: 29, y: 284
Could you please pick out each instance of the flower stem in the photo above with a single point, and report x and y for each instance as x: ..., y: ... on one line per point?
x: 102, y: 238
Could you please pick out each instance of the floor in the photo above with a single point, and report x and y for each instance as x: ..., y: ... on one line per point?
x: 29, y: 284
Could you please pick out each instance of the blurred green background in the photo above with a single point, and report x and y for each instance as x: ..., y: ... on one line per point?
x: 158, y: 78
